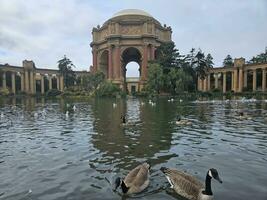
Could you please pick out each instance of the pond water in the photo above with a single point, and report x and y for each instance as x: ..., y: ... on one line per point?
x: 46, y: 155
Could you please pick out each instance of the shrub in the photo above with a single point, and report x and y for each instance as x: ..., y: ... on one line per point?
x: 4, y: 92
x: 108, y: 89
x: 53, y: 93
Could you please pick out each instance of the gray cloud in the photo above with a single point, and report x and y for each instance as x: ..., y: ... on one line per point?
x: 46, y: 30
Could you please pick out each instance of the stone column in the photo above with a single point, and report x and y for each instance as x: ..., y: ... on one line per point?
x: 245, y: 78
x: 198, y: 84
x: 224, y: 82
x: 31, y: 82
x: 216, y: 80
x: 152, y: 52
x: 27, y: 81
x: 22, y: 82
x: 42, y: 85
x: 263, y: 79
x: 13, y: 80
x: 240, y: 88
x: 50, y: 82
x: 205, y: 85
x: 118, y: 63
x: 58, y: 83
x: 254, y: 80
x: 208, y: 85
x: 232, y: 81
x: 4, y: 80
x: 61, y: 83
x: 144, y: 64
x: 235, y: 80
x: 110, y: 63
x: 94, y: 60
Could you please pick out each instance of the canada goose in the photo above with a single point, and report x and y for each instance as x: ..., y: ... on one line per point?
x: 136, y: 181
x: 180, y: 121
x: 188, y: 186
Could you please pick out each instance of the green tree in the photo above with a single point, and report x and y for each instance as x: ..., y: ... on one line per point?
x: 92, y: 81
x: 183, y: 81
x: 65, y: 68
x: 209, y: 61
x: 261, y: 58
x: 200, y: 65
x: 155, y: 77
x: 228, y: 61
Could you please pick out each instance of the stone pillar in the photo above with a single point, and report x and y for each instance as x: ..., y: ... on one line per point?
x: 110, y: 63
x: 61, y: 83
x: 50, y: 82
x: 13, y: 80
x: 232, y: 81
x: 208, y: 85
x: 22, y: 82
x: 31, y: 82
x: 205, y: 85
x: 144, y: 64
x: 58, y: 83
x: 42, y: 85
x: 152, y: 52
x: 216, y: 81
x: 198, y: 84
x: 254, y: 80
x: 235, y: 80
x: 240, y: 88
x: 94, y: 60
x: 4, y: 80
x: 245, y: 78
x: 224, y: 82
x: 118, y: 63
x: 263, y: 79
x: 27, y: 81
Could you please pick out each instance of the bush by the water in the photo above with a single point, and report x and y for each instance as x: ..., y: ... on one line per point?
x: 4, y: 92
x: 53, y: 93
x: 108, y: 89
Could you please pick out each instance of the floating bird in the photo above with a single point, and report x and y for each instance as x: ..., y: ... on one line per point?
x: 67, y: 114
x: 2, y: 115
x: 35, y: 115
x: 114, y: 105
x: 181, y: 100
x: 180, y: 121
x: 188, y: 186
x: 74, y: 108
x: 142, y: 103
x: 136, y: 181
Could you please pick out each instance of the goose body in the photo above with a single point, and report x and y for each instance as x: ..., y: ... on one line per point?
x: 188, y: 186
x: 136, y: 180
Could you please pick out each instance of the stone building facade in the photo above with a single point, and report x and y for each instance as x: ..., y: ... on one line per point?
x: 31, y: 80
x: 130, y: 35
x: 237, y: 78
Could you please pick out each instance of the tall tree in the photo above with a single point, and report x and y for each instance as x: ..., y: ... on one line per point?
x: 228, y: 61
x: 155, y: 77
x: 209, y: 61
x: 200, y: 65
x: 65, y: 68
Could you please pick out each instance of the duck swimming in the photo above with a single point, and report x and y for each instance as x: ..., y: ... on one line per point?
x: 180, y: 121
x: 188, y: 186
x: 136, y: 180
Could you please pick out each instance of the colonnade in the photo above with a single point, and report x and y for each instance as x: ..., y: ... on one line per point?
x: 239, y: 78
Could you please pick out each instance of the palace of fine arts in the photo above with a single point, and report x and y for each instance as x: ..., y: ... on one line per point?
x: 109, y: 100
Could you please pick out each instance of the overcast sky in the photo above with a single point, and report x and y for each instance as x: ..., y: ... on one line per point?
x: 45, y: 30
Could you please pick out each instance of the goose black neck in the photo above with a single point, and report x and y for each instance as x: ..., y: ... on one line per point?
x: 208, y: 185
x: 124, y: 187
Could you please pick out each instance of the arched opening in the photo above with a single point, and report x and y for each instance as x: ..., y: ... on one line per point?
x: 103, y: 63
x: 131, y: 59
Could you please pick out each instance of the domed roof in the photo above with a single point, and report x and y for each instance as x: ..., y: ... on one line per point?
x: 131, y: 12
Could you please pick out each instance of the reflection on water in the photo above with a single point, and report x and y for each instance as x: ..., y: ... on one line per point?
x: 45, y: 154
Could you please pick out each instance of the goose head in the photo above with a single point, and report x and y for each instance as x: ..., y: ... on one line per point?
x: 213, y: 173
x: 119, y: 182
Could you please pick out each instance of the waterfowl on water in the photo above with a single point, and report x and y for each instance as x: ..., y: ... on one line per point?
x: 114, y: 105
x: 242, y: 116
x: 136, y: 181
x: 188, y: 186
x: 180, y: 121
